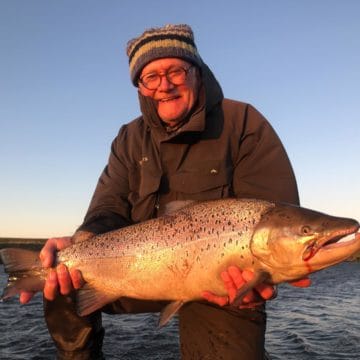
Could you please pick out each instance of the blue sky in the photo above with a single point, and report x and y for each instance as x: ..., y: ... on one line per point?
x: 65, y: 91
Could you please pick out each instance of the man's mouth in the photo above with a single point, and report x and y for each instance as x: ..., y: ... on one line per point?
x: 168, y: 99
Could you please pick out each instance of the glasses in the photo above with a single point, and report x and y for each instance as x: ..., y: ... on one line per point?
x: 175, y: 75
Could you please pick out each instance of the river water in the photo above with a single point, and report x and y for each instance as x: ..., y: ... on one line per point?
x: 318, y: 323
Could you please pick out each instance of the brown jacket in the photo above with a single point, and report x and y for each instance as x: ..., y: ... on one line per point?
x: 226, y: 148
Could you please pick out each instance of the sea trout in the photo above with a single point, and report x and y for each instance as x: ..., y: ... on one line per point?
x: 177, y: 256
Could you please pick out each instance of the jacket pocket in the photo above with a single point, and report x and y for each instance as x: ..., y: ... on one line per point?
x: 207, y: 181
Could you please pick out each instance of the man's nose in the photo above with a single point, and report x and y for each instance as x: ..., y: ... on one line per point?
x: 165, y: 84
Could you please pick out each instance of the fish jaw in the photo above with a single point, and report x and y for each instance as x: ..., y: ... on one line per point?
x: 291, y: 242
x: 331, y: 253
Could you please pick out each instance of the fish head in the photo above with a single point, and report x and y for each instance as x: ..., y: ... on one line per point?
x: 291, y: 241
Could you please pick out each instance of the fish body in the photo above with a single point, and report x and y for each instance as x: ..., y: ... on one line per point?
x: 177, y: 256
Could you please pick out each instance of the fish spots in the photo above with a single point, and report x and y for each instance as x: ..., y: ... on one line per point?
x: 180, y: 269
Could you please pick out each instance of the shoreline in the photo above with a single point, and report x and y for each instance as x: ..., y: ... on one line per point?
x: 26, y: 243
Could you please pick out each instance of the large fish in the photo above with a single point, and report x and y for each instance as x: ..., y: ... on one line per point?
x: 177, y: 256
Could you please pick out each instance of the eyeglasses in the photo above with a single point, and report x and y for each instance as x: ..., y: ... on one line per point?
x: 175, y: 75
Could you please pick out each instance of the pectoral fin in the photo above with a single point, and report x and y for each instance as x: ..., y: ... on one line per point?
x: 259, y: 277
x: 169, y: 311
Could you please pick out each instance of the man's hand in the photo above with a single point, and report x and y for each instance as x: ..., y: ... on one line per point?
x: 59, y: 280
x: 304, y: 282
x: 234, y: 279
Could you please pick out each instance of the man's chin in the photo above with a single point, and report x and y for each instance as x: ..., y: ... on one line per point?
x: 172, y: 121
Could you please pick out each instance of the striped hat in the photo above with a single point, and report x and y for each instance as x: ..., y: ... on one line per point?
x: 168, y: 41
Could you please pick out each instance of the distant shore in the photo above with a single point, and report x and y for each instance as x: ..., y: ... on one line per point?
x: 27, y: 243
x: 30, y: 244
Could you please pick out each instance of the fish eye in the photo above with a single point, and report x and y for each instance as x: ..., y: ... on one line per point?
x: 306, y: 230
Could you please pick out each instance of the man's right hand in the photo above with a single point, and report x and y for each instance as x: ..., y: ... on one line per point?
x: 60, y: 279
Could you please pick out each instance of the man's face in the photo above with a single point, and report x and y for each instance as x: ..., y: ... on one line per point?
x: 174, y: 102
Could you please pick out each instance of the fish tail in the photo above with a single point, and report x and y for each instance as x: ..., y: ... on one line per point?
x: 24, y: 270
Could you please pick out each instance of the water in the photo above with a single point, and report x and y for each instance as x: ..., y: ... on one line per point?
x: 318, y: 323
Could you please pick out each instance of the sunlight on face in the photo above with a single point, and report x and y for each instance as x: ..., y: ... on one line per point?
x: 174, y: 102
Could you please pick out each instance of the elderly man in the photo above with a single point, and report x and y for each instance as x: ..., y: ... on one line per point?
x: 188, y: 143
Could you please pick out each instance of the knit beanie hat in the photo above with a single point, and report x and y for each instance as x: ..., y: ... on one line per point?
x: 155, y: 43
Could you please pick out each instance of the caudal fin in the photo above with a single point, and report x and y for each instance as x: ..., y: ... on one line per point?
x: 24, y: 270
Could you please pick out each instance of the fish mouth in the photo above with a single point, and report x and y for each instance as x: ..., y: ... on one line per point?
x: 340, y: 238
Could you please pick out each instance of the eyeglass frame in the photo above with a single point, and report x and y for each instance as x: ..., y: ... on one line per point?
x: 165, y: 74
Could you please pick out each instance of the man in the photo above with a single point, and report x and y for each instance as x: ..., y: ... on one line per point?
x: 189, y: 144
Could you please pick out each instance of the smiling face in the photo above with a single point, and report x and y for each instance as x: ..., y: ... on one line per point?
x: 173, y: 102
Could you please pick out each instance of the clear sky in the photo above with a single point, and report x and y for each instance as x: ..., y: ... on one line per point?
x: 65, y: 92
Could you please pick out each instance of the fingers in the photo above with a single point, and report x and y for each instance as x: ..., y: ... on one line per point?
x: 238, y: 276
x: 64, y: 279
x: 267, y: 292
x: 219, y: 300
x: 231, y: 281
x: 25, y: 297
x: 304, y: 282
x: 76, y: 278
x: 60, y: 280
x: 48, y: 252
x: 234, y: 279
x: 51, y: 285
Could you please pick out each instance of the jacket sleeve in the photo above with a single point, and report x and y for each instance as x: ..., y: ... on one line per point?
x: 262, y: 168
x: 109, y: 208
